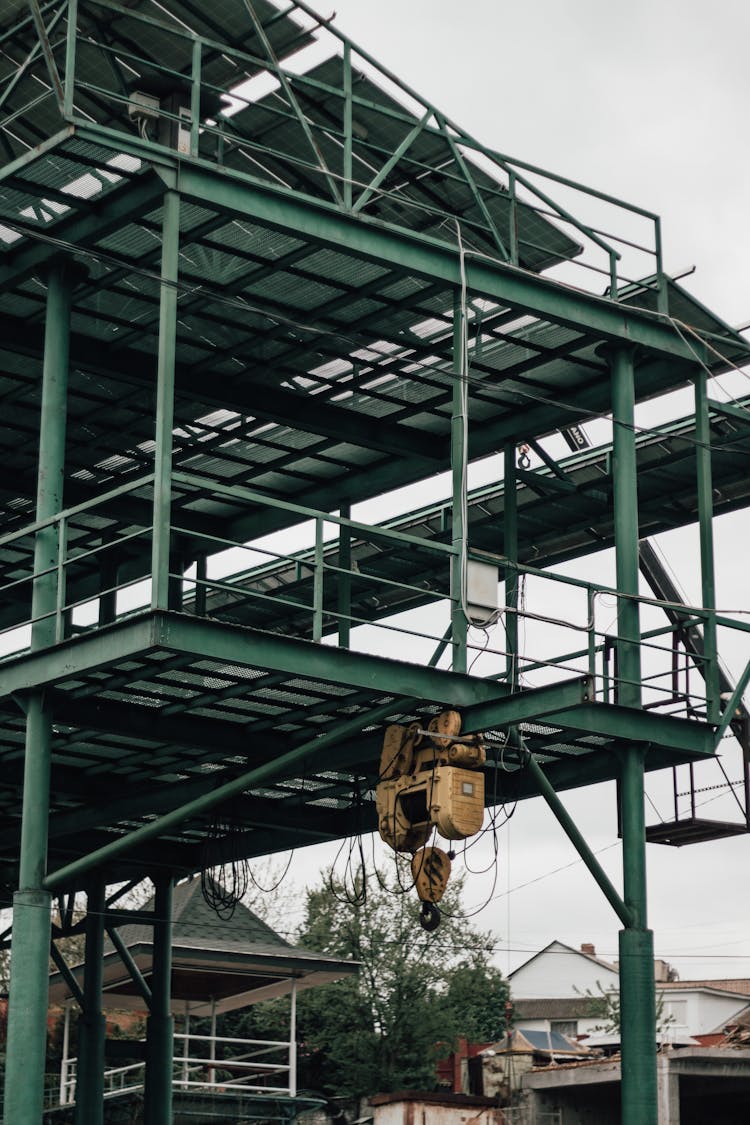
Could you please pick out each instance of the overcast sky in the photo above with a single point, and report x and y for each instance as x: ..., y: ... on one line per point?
x: 647, y: 101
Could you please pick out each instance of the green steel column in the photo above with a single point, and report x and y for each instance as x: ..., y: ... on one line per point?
x: 157, y: 1097
x: 637, y: 990
x: 458, y: 472
x: 637, y: 998
x: 625, y: 497
x: 29, y: 972
x: 706, y: 533
x: 510, y: 550
x: 160, y: 550
x: 344, y: 579
x: 92, y: 1025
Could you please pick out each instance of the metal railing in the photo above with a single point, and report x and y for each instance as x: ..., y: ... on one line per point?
x: 210, y: 1064
x: 345, y: 582
x: 339, y: 159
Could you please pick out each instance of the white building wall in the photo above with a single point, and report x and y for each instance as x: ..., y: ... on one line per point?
x: 560, y: 973
x: 698, y: 1012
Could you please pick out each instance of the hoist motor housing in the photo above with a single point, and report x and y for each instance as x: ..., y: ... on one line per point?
x: 448, y: 798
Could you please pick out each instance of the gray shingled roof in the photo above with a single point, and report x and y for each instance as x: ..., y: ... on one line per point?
x: 232, y: 963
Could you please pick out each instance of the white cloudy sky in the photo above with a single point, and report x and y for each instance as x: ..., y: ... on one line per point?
x: 647, y: 101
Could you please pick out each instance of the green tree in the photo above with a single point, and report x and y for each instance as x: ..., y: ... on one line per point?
x: 604, y: 1005
x: 415, y: 994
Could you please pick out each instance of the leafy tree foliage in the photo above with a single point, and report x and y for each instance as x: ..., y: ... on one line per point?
x: 415, y: 994
x: 604, y: 1005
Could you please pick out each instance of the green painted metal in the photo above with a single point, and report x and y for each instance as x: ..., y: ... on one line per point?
x: 344, y: 580
x: 27, y: 1012
x: 706, y: 537
x: 72, y: 872
x: 70, y: 59
x: 625, y: 497
x: 623, y: 911
x: 348, y: 137
x: 637, y: 994
x: 127, y: 959
x: 278, y: 402
x: 89, y: 1108
x: 157, y: 1094
x: 459, y: 456
x: 638, y: 1013
x: 731, y: 705
x: 160, y: 552
x: 427, y: 257
x: 524, y: 706
x: 510, y: 550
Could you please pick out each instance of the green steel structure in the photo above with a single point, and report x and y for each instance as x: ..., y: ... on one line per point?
x: 250, y: 284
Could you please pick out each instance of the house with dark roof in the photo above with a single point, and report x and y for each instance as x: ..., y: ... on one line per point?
x: 552, y: 991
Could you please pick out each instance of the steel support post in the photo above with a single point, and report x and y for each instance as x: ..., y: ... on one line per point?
x: 157, y: 1097
x: 706, y: 533
x: 510, y: 550
x: 29, y: 972
x: 637, y: 992
x: 91, y: 1025
x: 459, y: 425
x: 160, y: 548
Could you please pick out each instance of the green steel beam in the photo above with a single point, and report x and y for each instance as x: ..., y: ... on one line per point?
x: 265, y: 773
x: 105, y: 216
x: 664, y: 732
x: 427, y: 257
x: 212, y: 640
x: 571, y: 830
x: 525, y: 706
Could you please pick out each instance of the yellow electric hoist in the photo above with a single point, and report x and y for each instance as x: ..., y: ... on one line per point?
x: 430, y: 780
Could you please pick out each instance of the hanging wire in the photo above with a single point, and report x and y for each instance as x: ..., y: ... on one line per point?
x: 223, y: 884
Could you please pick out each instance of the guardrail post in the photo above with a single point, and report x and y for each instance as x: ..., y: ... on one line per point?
x: 510, y: 550
x: 513, y: 218
x: 318, y: 582
x: 195, y: 97
x: 344, y: 577
x: 591, y: 609
x: 293, y: 1042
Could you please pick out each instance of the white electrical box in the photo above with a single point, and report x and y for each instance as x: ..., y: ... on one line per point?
x: 481, y: 591
x: 144, y: 107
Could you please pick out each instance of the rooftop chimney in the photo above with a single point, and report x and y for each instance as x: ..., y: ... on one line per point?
x: 586, y: 947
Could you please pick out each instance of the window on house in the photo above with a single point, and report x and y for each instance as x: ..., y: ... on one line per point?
x: 565, y: 1027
